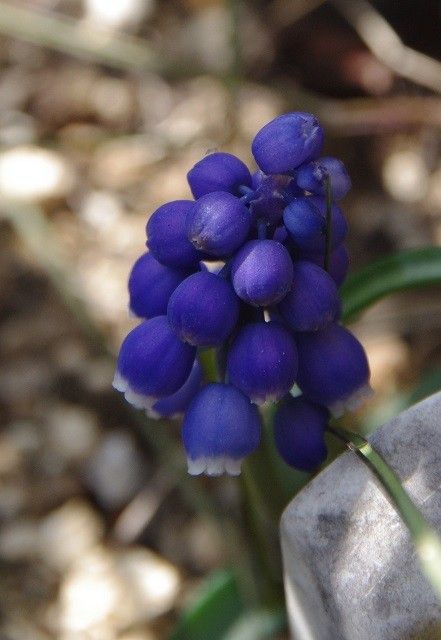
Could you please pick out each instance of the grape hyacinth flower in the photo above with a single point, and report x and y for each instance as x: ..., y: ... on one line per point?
x: 333, y: 369
x: 299, y: 433
x: 203, y: 310
x: 313, y: 300
x: 218, y: 172
x: 250, y: 269
x: 262, y: 361
x: 152, y: 363
x: 167, y: 236
x: 338, y: 262
x: 221, y: 427
x: 151, y: 285
x: 287, y: 141
x: 262, y: 272
x: 218, y: 223
x: 312, y: 177
x: 305, y: 221
x: 177, y: 404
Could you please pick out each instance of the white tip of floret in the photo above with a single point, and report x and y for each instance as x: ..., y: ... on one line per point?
x: 267, y: 399
x: 138, y: 400
x: 214, y: 466
x: 151, y: 413
x: 155, y: 415
x: 352, y: 402
x: 119, y: 383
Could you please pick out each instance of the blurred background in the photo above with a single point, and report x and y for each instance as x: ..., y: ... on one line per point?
x: 104, y: 107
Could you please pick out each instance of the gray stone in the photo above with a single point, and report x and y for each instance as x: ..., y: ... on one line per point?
x: 351, y: 572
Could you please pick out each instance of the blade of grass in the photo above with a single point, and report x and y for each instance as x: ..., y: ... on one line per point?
x: 217, y: 606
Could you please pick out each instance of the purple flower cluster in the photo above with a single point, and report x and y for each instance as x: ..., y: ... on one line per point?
x: 241, y: 268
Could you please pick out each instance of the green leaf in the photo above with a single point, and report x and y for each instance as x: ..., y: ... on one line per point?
x: 258, y: 625
x: 409, y: 269
x: 217, y: 606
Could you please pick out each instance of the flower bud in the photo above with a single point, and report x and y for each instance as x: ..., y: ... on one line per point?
x: 177, y: 404
x: 261, y: 272
x: 333, y: 368
x: 151, y: 285
x: 262, y: 361
x: 299, y: 428
x: 152, y: 363
x: 312, y: 177
x: 287, y: 141
x: 203, y: 310
x: 312, y: 301
x: 220, y: 428
x: 338, y: 263
x: 218, y: 172
x: 304, y: 217
x: 218, y: 223
x: 167, y: 236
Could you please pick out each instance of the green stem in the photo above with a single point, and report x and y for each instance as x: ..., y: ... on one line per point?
x: 426, y: 540
x: 328, y: 223
x: 208, y: 362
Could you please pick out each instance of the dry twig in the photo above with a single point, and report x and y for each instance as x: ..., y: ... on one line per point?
x: 387, y: 46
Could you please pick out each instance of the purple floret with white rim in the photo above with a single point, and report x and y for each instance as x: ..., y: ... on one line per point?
x: 220, y: 428
x: 262, y: 361
x: 177, y: 404
x: 152, y: 363
x: 333, y: 369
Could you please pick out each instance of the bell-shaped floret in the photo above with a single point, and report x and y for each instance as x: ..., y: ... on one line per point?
x: 262, y: 361
x: 338, y: 263
x: 333, y: 369
x: 152, y: 363
x: 287, y: 142
x: 340, y: 226
x: 220, y: 428
x: 203, y: 310
x: 177, y: 404
x: 305, y: 220
x: 312, y: 301
x: 218, y: 223
x: 299, y: 430
x: 151, y: 285
x: 167, y: 236
x: 312, y: 177
x: 218, y: 172
x: 261, y: 272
